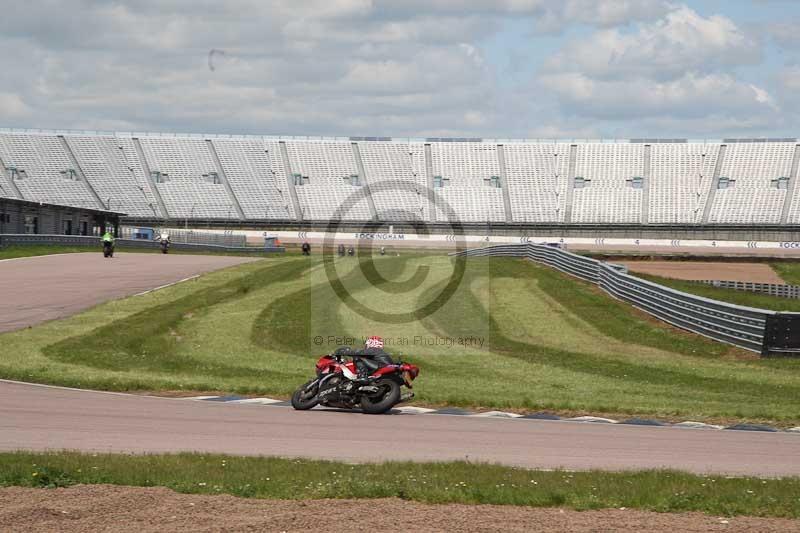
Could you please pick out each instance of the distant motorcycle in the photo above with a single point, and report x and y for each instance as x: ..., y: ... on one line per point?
x: 165, y: 243
x: 367, y: 381
x: 108, y: 249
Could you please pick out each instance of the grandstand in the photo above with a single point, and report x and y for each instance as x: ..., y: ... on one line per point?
x: 285, y: 180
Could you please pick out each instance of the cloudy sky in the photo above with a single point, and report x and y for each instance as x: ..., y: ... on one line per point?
x: 478, y: 68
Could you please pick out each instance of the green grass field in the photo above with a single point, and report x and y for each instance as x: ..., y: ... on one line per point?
x: 532, y: 339
x: 456, y: 482
x: 15, y: 252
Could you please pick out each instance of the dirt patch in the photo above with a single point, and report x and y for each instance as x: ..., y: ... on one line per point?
x: 112, y: 508
x: 696, y: 270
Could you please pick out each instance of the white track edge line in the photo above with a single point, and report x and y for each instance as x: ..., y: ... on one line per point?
x: 167, y: 285
x: 42, y: 255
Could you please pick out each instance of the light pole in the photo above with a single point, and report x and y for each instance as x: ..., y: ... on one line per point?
x: 144, y: 195
x: 191, y: 214
x: 699, y: 185
x: 558, y: 206
x: 414, y: 176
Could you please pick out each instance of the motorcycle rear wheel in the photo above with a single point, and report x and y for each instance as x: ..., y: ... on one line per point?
x: 379, y: 404
x: 302, y: 403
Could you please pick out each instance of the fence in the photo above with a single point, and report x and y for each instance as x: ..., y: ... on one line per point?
x: 760, y: 330
x: 76, y: 240
x: 191, y: 236
x: 772, y: 289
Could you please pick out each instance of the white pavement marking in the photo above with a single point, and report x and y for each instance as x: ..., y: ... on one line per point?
x: 198, y: 397
x: 258, y: 401
x: 591, y: 419
x: 497, y: 414
x: 43, y: 255
x: 411, y: 410
x: 696, y: 425
x: 167, y: 285
x: 44, y: 385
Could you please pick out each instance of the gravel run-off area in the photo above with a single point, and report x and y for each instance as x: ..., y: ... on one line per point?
x: 114, y: 508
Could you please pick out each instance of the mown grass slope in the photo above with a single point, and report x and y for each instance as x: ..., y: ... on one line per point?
x: 512, y: 335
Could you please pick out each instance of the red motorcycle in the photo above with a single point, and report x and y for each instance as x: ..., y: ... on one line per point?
x: 371, y: 381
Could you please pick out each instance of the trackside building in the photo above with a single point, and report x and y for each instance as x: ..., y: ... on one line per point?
x: 34, y: 218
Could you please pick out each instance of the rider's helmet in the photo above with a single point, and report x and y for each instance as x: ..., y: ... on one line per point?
x: 374, y: 342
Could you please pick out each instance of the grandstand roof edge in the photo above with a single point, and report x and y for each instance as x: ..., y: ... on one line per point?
x: 639, y: 140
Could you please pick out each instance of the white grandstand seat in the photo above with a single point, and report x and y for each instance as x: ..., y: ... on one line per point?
x: 537, y: 180
x: 396, y: 173
x: 609, y: 197
x: 44, y: 162
x: 187, y: 193
x: 257, y: 177
x: 327, y: 195
x: 6, y: 190
x: 465, y: 167
x: 680, y: 180
x: 753, y: 198
x: 108, y: 167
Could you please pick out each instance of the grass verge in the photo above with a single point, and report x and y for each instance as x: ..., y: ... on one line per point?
x: 789, y: 271
x: 454, y: 482
x: 15, y: 252
x: 548, y: 342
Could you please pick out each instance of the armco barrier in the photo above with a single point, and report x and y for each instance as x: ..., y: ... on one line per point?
x: 772, y: 289
x: 78, y: 240
x: 760, y: 330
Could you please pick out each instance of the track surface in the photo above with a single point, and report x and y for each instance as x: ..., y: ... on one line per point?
x: 36, y: 289
x: 37, y: 417
x: 699, y: 270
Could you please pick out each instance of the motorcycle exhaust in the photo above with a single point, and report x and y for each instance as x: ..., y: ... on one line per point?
x: 368, y: 388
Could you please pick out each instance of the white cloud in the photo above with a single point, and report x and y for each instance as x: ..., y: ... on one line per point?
x: 688, y: 96
x: 600, y: 13
x: 678, y: 68
x: 681, y: 41
x: 790, y: 79
x: 785, y: 33
x: 385, y: 67
x: 763, y: 97
x: 13, y: 106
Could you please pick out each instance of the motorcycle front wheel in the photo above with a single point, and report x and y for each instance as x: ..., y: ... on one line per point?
x: 302, y: 400
x: 383, y: 400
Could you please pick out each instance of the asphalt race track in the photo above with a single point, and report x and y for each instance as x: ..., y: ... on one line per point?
x: 36, y: 289
x: 36, y: 417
